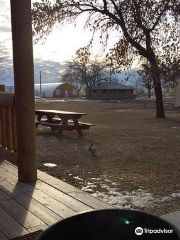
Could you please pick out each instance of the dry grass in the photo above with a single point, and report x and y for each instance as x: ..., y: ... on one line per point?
x: 136, y: 149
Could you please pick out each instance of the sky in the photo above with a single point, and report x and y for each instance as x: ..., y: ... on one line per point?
x: 50, y: 56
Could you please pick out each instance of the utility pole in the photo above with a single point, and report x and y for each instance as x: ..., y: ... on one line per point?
x: 110, y: 70
x: 40, y: 84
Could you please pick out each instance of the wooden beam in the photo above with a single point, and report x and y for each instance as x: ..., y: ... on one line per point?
x: 9, y: 128
x: 12, y: 157
x: 6, y: 99
x: 24, y: 89
x: 14, y: 131
x: 3, y: 126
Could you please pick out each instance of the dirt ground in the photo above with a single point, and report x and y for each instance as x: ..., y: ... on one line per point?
x: 137, y: 152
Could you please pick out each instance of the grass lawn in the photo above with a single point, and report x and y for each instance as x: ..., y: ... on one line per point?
x: 139, y: 156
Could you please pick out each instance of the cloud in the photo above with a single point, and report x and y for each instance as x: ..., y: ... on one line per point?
x: 5, y: 29
x: 3, y: 4
x: 5, y: 16
x: 50, y: 71
x: 5, y: 26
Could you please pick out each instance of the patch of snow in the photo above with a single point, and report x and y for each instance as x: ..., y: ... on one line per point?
x: 174, y: 195
x: 57, y: 100
x: 115, y: 184
x: 37, y: 97
x: 46, y: 100
x: 130, y: 200
x: 96, y: 179
x: 107, y: 180
x: 50, y: 164
x: 88, y: 189
x: 83, y: 100
x: 110, y: 193
x: 78, y: 178
x: 50, y: 100
x: 92, y: 185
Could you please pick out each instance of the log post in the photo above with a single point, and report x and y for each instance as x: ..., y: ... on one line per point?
x: 14, y: 132
x: 0, y: 128
x: 9, y: 128
x: 24, y: 89
x: 3, y: 127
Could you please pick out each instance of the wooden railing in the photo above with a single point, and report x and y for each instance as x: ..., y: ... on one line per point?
x: 8, y: 134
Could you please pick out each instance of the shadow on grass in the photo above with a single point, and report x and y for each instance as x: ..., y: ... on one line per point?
x: 70, y: 138
x: 169, y: 119
x: 45, y: 133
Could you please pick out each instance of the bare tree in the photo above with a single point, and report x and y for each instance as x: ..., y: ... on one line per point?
x: 82, y: 71
x: 148, y: 84
x: 97, y: 73
x: 71, y: 74
x: 146, y: 78
x: 146, y: 28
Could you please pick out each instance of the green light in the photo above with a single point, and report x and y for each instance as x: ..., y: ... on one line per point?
x: 127, y: 222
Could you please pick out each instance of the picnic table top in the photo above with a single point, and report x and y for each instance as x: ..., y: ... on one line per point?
x: 43, y: 111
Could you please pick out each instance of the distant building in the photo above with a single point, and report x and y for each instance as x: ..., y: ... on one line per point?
x: 56, y: 90
x: 109, y: 91
x: 9, y: 88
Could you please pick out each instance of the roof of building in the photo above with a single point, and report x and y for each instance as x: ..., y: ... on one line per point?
x: 47, y: 86
x: 109, y: 86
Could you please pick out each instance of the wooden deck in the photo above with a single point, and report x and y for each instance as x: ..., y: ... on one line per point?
x: 26, y: 208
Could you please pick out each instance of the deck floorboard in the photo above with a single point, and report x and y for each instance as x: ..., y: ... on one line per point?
x: 27, y: 208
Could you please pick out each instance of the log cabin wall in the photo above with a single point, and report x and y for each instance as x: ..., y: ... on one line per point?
x: 8, y: 134
x: 110, y: 94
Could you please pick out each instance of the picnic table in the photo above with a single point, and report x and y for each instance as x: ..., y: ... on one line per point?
x: 64, y: 121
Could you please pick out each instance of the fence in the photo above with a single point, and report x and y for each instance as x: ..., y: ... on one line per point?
x: 8, y: 134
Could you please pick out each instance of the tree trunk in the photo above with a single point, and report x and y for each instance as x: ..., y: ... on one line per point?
x: 159, y: 102
x: 157, y: 87
x: 158, y: 94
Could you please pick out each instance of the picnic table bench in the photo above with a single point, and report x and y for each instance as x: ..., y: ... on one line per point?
x: 64, y: 121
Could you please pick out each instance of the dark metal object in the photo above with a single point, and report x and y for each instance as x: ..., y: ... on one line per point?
x: 109, y: 224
